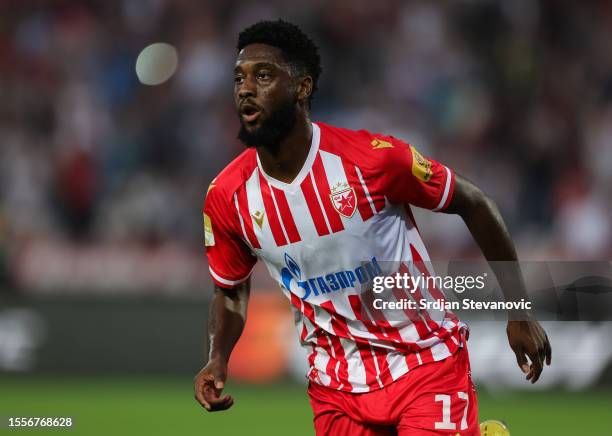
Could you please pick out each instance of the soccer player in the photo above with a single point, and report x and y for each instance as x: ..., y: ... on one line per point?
x: 323, y: 207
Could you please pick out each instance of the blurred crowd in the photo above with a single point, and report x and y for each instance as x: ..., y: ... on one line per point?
x: 516, y: 95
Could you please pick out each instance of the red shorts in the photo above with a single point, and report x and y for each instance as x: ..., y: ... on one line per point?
x: 437, y: 398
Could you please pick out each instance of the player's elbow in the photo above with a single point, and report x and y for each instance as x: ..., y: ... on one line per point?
x: 469, y: 199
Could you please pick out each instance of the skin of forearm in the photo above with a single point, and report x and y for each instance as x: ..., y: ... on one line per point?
x: 484, y: 221
x: 227, y: 318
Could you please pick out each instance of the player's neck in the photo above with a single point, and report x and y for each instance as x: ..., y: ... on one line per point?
x: 285, y: 161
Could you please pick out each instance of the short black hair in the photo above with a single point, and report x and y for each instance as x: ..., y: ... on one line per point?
x: 298, y: 49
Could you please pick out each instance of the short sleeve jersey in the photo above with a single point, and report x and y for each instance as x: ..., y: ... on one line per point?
x: 324, y: 237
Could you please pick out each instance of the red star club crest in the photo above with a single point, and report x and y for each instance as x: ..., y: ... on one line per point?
x: 344, y: 199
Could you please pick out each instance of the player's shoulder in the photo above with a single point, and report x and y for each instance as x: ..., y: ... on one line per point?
x: 234, y: 175
x: 361, y: 147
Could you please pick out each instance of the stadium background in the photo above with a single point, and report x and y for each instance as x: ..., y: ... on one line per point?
x: 103, y: 283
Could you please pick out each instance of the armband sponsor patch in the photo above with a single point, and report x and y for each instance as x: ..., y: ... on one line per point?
x: 209, y: 237
x: 421, y: 167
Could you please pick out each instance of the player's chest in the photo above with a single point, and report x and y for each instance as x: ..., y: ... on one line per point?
x: 310, y: 217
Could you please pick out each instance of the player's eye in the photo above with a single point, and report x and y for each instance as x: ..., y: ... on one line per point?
x: 264, y: 75
x: 238, y: 80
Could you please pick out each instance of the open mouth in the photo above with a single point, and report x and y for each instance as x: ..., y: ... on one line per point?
x: 249, y: 112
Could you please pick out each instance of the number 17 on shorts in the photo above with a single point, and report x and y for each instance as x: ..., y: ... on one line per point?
x: 462, y: 401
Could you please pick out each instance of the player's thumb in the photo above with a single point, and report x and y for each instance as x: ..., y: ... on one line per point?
x: 521, y: 360
x: 219, y: 383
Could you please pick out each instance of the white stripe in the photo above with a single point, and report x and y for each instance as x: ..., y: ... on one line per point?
x: 225, y: 281
x: 446, y: 190
x: 333, y: 353
x: 380, y: 383
x: 397, y: 364
x: 310, y: 329
x: 320, y: 363
x: 323, y: 319
x: 365, y: 189
x: 301, y: 215
x: 256, y: 204
x: 316, y: 190
x: 246, y: 239
x: 440, y: 351
x: 355, y: 370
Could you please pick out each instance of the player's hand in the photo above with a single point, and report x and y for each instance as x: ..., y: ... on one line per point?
x: 528, y: 339
x: 209, y: 383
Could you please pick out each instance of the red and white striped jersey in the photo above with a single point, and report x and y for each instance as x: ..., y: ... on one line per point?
x: 323, y: 238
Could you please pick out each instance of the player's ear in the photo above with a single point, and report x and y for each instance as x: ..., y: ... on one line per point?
x: 304, y: 87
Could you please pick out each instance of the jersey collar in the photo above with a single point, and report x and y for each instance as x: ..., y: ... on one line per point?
x: 312, y: 154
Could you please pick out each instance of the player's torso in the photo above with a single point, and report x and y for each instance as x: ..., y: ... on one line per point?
x: 328, y: 232
x: 323, y: 238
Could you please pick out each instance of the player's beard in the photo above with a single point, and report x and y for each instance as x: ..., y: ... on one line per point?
x: 273, y: 129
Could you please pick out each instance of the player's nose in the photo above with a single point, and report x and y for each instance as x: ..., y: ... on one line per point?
x: 246, y: 89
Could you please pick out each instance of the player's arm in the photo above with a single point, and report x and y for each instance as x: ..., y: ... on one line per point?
x: 230, y: 263
x: 227, y: 318
x: 483, y: 219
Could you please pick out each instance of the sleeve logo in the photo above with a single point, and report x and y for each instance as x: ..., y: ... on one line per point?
x: 209, y: 237
x: 421, y: 167
x: 377, y: 144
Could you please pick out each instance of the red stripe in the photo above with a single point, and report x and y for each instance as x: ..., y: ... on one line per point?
x: 411, y: 361
x: 304, y: 307
x: 275, y: 226
x: 340, y: 328
x: 379, y: 201
x: 343, y: 368
x: 417, y: 295
x: 286, y: 216
x: 451, y: 345
x: 363, y: 204
x: 418, y: 261
x: 426, y: 355
x: 380, y: 355
x: 330, y: 369
x: 297, y: 303
x: 361, y: 315
x: 325, y: 194
x: 383, y: 365
x: 394, y: 335
x: 313, y: 206
x: 243, y: 205
x: 412, y: 314
x: 365, y: 351
x: 308, y: 311
x: 379, y: 327
x: 311, y: 359
x: 338, y: 322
